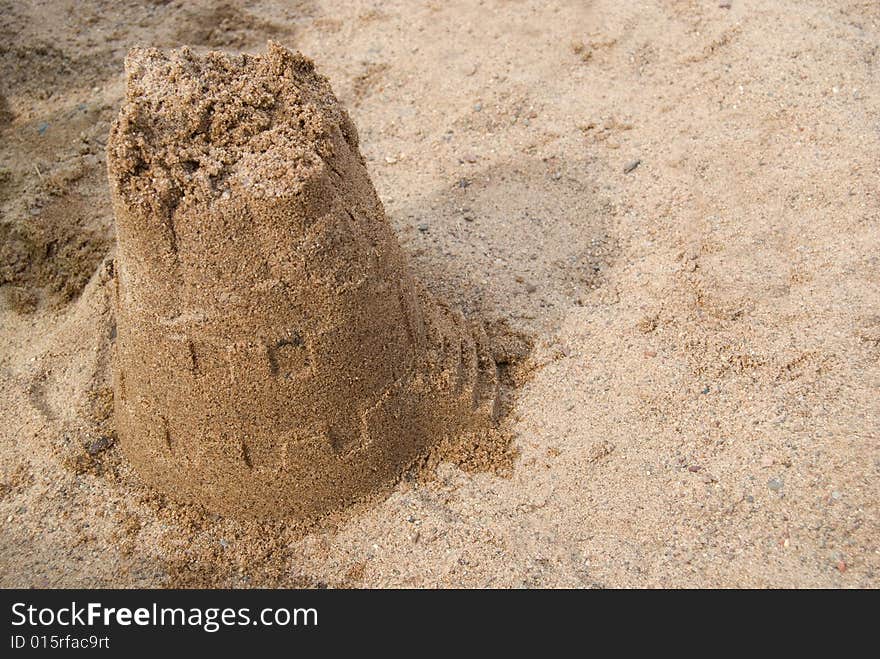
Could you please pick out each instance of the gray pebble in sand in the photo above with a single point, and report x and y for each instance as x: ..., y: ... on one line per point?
x: 775, y: 484
x: 630, y: 166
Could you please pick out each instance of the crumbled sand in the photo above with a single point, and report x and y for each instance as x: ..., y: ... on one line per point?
x: 273, y: 355
x: 702, y: 408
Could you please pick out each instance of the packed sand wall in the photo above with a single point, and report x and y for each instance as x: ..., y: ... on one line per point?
x: 274, y: 357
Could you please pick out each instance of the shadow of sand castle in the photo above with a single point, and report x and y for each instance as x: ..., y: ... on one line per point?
x: 511, y: 242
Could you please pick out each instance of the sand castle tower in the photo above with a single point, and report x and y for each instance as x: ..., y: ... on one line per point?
x: 274, y: 357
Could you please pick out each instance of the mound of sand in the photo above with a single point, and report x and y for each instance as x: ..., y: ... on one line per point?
x: 274, y: 357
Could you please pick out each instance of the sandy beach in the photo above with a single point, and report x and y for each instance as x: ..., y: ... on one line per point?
x: 677, y: 202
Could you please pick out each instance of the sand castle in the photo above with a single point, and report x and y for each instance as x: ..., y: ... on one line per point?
x: 274, y: 357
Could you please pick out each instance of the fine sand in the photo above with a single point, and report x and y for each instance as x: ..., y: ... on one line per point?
x: 675, y: 202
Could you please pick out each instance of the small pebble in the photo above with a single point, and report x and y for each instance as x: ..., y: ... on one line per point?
x: 463, y: 183
x: 775, y: 484
x: 630, y: 166
x: 423, y: 227
x: 478, y: 107
x: 100, y: 444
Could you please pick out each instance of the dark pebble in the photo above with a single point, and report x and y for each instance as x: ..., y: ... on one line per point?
x: 100, y: 444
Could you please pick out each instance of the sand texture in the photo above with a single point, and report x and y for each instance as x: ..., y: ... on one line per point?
x: 675, y: 203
